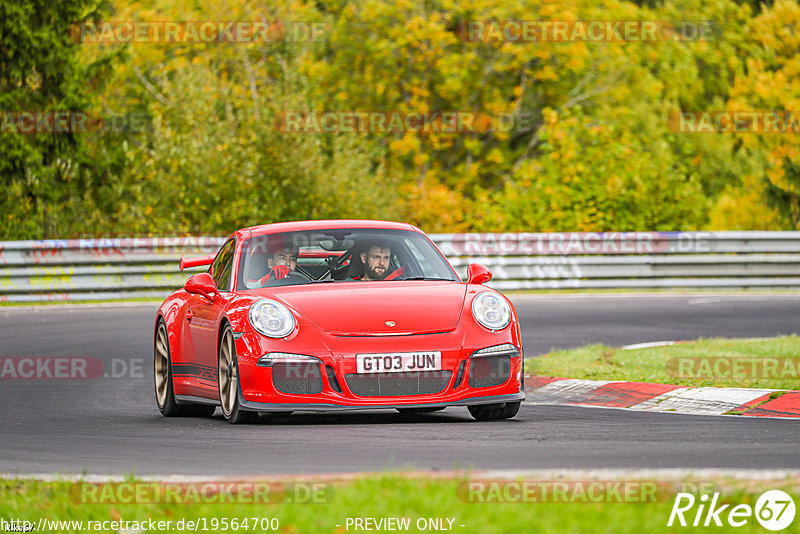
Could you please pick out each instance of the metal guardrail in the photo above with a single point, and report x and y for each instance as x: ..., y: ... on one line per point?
x: 96, y: 269
x: 101, y: 269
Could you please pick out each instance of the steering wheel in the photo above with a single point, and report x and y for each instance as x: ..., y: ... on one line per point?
x: 292, y: 276
x: 300, y: 275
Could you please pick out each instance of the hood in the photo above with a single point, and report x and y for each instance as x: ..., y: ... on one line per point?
x: 364, y: 308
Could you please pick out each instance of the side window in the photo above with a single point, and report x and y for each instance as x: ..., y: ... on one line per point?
x: 222, y: 267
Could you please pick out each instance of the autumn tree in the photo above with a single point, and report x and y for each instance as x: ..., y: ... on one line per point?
x: 48, y: 179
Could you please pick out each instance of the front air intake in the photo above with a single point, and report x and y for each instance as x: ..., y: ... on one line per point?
x: 297, y: 378
x: 489, y: 371
x: 395, y: 384
x: 491, y: 366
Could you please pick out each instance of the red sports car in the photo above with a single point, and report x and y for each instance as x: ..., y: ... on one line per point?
x: 335, y: 315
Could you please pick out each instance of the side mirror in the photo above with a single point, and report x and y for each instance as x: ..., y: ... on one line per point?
x: 201, y: 284
x: 478, y: 274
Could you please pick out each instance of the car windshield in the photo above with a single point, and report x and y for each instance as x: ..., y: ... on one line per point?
x: 340, y: 256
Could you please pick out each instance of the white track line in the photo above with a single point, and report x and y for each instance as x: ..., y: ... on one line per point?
x: 528, y: 474
x: 648, y: 345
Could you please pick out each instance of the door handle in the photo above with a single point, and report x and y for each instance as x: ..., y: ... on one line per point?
x: 189, y: 315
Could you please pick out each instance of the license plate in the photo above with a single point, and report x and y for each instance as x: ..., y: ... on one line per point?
x: 399, y: 362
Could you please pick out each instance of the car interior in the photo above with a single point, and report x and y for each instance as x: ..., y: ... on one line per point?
x: 324, y: 260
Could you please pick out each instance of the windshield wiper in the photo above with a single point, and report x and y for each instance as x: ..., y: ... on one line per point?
x: 323, y: 280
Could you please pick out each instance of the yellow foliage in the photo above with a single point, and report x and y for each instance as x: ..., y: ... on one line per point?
x: 743, y: 208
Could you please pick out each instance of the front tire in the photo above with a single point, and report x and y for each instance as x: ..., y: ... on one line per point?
x: 511, y: 409
x: 229, y: 381
x: 494, y: 412
x: 162, y: 378
x: 419, y: 410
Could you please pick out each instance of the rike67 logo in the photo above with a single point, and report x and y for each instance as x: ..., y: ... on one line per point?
x: 774, y: 510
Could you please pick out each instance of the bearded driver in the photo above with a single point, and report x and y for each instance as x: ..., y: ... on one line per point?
x: 376, y: 259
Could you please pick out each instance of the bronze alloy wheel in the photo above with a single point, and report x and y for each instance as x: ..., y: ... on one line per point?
x: 161, y: 370
x: 162, y: 378
x: 228, y: 378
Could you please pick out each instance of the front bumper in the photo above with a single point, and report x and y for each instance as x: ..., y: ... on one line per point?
x: 315, y: 407
x: 336, y: 355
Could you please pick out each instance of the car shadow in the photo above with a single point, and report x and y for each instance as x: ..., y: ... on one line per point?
x: 382, y: 417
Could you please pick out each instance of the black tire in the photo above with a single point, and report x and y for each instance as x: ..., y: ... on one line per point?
x: 511, y: 409
x: 487, y: 412
x: 420, y: 410
x: 228, y: 381
x: 162, y: 380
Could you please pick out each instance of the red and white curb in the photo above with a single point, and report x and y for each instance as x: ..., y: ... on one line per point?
x: 649, y: 397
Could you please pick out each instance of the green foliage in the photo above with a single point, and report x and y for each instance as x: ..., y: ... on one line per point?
x: 770, y: 82
x: 46, y: 178
x: 787, y: 201
x: 590, y: 148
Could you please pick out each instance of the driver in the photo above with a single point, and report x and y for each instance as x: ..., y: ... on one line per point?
x: 281, y: 263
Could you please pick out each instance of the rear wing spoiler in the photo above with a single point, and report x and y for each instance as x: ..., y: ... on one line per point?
x: 197, y: 262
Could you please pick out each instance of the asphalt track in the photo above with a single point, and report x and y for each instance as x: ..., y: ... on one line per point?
x: 111, y: 425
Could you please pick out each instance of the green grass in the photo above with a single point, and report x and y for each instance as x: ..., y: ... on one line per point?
x: 377, y: 496
x: 663, y: 364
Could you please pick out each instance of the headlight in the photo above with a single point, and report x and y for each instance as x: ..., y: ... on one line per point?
x: 491, y: 310
x: 271, y: 318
